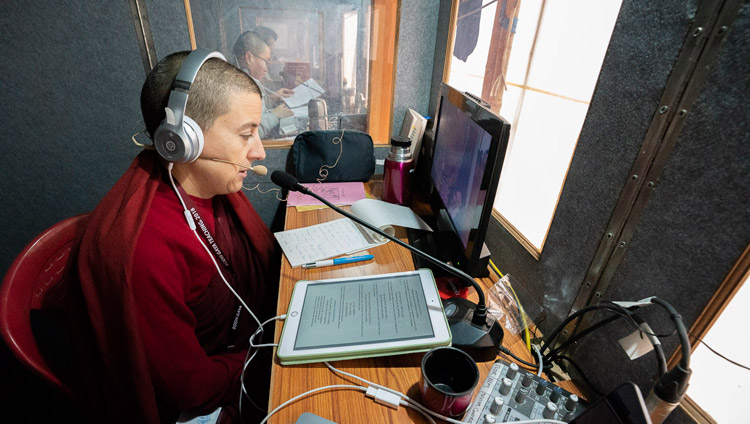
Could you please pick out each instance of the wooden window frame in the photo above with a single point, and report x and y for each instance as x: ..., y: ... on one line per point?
x: 719, y: 301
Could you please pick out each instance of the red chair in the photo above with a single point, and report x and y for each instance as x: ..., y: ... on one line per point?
x: 39, y: 266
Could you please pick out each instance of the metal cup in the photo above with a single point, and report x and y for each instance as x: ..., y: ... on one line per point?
x: 317, y: 113
x: 449, y: 377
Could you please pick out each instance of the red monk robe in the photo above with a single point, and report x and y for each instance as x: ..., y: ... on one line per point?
x: 151, y: 318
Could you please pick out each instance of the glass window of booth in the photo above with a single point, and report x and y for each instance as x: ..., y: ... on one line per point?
x: 536, y: 62
x: 321, y: 64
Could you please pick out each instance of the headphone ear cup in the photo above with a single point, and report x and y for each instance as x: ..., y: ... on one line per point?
x: 169, y: 143
x: 193, y: 139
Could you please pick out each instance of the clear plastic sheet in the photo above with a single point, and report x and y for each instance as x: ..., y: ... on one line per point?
x: 505, y: 306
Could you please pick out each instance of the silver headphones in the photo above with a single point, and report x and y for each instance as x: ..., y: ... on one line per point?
x: 179, y: 138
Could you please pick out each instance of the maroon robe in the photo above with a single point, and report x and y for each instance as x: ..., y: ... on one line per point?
x: 109, y: 343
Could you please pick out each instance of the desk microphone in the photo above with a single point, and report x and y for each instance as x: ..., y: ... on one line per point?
x: 472, y: 329
x: 257, y: 169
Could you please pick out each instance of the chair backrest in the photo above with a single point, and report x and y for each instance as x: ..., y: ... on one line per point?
x: 38, y: 267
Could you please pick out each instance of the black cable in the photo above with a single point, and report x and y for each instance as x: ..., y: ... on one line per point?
x: 580, y: 335
x: 580, y: 372
x: 681, y: 330
x: 506, y: 351
x: 554, y: 354
x: 623, y: 312
x: 661, y: 360
x: 672, y: 383
x: 719, y: 354
x: 536, y: 326
x: 548, y: 343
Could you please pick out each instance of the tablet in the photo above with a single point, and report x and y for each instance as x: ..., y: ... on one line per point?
x: 357, y: 317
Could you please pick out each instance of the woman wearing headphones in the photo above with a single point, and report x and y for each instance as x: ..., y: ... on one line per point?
x: 175, y: 269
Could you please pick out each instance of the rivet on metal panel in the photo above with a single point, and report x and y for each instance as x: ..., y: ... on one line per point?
x: 598, y: 295
x: 651, y: 184
x: 663, y: 109
x: 682, y: 112
x: 565, y: 332
x: 635, y: 177
x: 623, y: 243
x: 588, y: 284
x: 722, y: 30
x: 610, y: 235
x: 697, y: 31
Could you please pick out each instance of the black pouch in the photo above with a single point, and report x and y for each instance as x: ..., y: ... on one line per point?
x: 315, y: 156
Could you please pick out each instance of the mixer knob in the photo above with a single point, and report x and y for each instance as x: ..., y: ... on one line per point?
x: 505, y: 386
x: 540, y: 389
x: 526, y: 382
x: 554, y: 396
x: 489, y: 419
x: 520, y: 397
x: 550, y: 410
x: 570, y: 405
x: 512, y: 371
x: 497, y: 405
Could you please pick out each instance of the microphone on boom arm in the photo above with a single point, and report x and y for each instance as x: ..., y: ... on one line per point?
x: 472, y: 329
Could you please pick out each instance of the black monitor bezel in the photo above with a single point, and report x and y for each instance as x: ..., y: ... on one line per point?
x: 499, y: 130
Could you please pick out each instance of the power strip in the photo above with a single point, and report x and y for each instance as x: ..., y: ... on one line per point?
x: 511, y: 393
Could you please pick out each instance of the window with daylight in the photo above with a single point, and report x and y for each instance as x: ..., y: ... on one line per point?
x: 536, y: 62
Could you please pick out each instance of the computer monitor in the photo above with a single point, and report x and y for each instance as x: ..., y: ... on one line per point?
x: 468, y: 152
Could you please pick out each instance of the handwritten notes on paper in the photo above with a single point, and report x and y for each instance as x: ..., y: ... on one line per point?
x: 344, y: 236
x: 323, y: 241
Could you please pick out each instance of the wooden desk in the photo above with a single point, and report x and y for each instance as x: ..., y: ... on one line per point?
x: 401, y: 372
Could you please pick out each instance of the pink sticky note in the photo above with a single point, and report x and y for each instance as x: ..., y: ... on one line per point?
x: 336, y: 193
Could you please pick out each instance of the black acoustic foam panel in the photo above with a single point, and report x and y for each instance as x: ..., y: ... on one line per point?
x: 697, y: 222
x: 644, y: 45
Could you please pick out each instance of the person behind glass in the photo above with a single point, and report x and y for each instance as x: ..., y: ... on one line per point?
x: 268, y: 35
x: 252, y: 54
x: 156, y: 329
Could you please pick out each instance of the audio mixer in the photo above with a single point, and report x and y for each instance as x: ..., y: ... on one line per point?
x: 511, y: 393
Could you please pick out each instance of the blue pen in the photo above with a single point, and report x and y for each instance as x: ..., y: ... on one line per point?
x: 338, y: 261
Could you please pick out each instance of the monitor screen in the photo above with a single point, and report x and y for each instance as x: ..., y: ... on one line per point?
x: 458, y: 166
x: 469, y: 149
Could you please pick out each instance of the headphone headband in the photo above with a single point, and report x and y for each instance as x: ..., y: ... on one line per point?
x: 184, y: 79
x: 179, y: 138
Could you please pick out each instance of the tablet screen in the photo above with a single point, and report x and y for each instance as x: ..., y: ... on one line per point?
x: 379, y: 309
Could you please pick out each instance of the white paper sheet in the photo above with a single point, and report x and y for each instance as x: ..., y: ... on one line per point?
x: 343, y: 236
x: 383, y: 215
x: 303, y: 93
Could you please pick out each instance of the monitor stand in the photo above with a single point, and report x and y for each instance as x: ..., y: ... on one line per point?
x: 438, y: 245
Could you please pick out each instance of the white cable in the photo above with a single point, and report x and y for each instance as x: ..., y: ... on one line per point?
x: 259, y: 331
x: 540, y: 421
x: 210, y: 255
x: 322, y: 172
x: 414, y: 403
x: 191, y: 224
x: 309, y: 392
x: 265, y: 345
x: 424, y: 410
x: 427, y: 416
x: 248, y: 360
x: 541, y: 361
